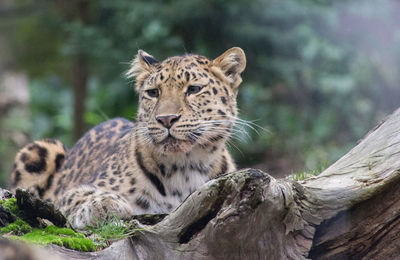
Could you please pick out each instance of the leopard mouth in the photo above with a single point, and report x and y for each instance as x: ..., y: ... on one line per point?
x: 169, y: 140
x: 173, y: 144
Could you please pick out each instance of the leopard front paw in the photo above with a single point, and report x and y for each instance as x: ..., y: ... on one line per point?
x: 92, y: 207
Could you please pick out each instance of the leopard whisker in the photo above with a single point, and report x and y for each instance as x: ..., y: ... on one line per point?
x: 242, y: 122
x: 235, y: 135
x: 229, y: 143
x: 240, y: 131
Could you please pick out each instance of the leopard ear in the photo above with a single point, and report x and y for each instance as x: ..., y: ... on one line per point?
x: 232, y: 63
x: 143, y: 62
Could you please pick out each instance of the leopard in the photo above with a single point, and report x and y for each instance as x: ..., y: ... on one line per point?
x: 187, y: 111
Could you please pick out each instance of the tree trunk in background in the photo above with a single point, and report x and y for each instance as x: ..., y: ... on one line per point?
x: 15, y: 119
x: 80, y: 78
x: 80, y: 72
x: 14, y: 104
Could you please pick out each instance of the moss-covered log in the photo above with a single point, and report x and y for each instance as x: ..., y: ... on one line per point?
x: 350, y: 211
x: 34, y: 208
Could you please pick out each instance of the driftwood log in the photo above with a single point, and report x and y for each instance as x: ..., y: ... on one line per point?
x: 350, y: 211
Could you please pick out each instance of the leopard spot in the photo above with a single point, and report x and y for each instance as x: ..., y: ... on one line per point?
x: 59, y: 160
x: 143, y: 203
x: 223, y: 99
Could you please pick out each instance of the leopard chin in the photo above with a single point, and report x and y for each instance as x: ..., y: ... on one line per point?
x: 171, y: 144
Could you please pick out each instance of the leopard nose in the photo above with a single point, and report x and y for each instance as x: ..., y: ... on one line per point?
x: 168, y: 121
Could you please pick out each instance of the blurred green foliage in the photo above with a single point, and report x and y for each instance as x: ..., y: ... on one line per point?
x: 320, y: 74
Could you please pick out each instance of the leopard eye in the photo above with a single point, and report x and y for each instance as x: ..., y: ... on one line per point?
x: 193, y: 89
x: 152, y: 92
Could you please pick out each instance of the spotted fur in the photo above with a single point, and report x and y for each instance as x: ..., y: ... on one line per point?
x: 187, y: 109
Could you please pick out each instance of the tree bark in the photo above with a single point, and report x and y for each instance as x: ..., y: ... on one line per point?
x: 350, y: 211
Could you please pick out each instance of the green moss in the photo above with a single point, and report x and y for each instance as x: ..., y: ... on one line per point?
x: 50, y: 235
x: 63, y: 231
x: 58, y: 236
x: 20, y: 230
x: 18, y: 227
x: 11, y: 204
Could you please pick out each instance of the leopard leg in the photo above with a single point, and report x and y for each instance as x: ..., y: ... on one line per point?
x: 88, y: 205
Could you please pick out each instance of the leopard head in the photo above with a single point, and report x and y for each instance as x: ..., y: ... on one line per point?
x: 187, y: 101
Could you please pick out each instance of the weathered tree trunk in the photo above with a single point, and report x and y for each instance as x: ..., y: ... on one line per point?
x: 350, y: 211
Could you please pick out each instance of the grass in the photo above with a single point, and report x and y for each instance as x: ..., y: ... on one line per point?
x: 104, y: 232
x: 303, y: 175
